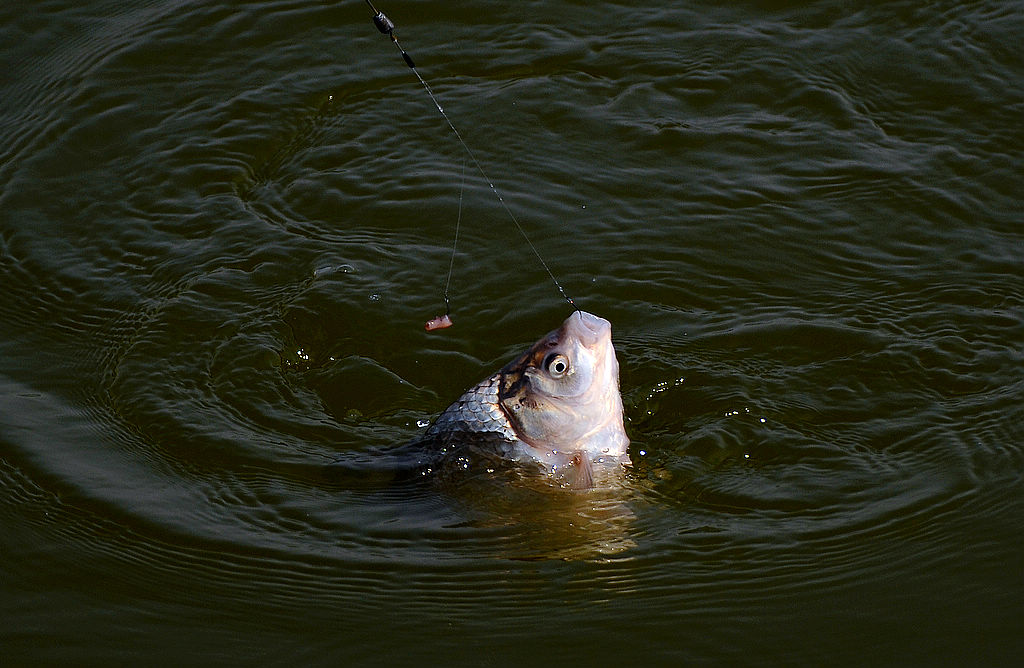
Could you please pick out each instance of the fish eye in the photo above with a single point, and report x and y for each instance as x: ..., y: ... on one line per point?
x: 557, y: 365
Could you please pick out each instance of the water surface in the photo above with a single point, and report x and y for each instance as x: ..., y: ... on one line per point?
x: 222, y: 227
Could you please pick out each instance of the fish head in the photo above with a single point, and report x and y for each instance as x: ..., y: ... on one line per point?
x: 562, y: 395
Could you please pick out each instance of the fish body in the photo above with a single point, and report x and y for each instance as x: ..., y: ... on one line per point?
x: 557, y: 404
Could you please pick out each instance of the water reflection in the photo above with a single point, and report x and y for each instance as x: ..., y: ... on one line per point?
x: 544, y: 519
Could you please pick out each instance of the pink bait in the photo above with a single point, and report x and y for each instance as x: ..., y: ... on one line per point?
x: 440, y: 322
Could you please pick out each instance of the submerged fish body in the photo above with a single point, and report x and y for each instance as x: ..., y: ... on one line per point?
x: 557, y: 404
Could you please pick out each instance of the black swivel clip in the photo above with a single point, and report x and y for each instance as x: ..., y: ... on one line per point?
x: 387, y: 27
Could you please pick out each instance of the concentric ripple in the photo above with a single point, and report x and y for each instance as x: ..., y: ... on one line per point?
x: 222, y: 228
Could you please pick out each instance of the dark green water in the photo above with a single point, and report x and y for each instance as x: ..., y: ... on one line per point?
x: 222, y: 226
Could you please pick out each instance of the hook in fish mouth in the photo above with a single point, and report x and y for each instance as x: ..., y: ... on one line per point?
x: 589, y: 328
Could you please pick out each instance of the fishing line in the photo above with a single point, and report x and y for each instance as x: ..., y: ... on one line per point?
x: 455, y: 245
x: 387, y: 27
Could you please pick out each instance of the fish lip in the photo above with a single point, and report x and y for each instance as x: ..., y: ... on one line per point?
x: 588, y: 327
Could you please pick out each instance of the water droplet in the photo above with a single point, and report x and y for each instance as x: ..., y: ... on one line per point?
x: 375, y: 297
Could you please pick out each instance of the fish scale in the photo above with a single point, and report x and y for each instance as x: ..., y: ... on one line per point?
x: 476, y: 411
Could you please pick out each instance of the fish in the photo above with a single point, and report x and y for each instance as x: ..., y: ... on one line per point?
x: 558, y: 404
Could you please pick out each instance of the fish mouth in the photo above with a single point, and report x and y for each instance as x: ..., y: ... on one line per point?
x: 589, y: 328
